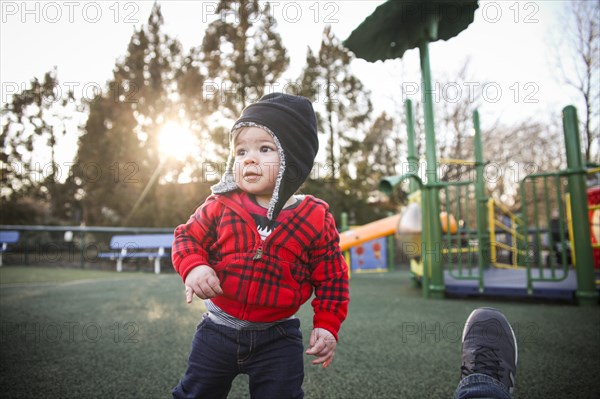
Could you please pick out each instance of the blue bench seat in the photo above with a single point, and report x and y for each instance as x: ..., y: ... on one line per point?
x: 151, y: 246
x: 7, y: 237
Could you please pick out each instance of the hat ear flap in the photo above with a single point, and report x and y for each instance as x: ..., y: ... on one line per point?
x: 227, y: 182
x: 276, y: 203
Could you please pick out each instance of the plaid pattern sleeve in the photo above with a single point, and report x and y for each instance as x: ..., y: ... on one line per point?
x: 330, y: 279
x: 194, y: 238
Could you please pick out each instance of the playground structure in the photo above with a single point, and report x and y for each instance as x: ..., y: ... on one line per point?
x: 387, y: 33
x: 544, y: 252
x: 371, y: 247
x: 528, y: 255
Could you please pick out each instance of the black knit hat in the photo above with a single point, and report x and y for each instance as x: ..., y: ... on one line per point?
x: 292, y: 122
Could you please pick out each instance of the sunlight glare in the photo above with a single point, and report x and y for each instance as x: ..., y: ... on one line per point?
x: 176, y: 141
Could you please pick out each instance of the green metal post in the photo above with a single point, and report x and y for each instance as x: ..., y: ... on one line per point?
x: 344, y: 222
x: 413, y: 160
x: 344, y: 227
x: 431, y: 251
x: 391, y: 249
x: 483, y: 235
x: 425, y: 227
x: 561, y: 218
x: 537, y: 239
x: 458, y: 215
x: 586, y: 288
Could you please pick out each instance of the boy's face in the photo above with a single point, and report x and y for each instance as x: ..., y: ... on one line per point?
x: 256, y: 163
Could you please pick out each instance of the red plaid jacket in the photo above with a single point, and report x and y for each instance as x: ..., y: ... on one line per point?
x: 270, y: 280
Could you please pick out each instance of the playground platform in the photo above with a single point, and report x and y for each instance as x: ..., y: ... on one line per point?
x: 513, y: 283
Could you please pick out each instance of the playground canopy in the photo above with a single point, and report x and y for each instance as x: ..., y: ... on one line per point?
x: 397, y: 26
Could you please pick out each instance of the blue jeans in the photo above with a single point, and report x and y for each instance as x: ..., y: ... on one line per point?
x: 272, y: 358
x: 481, y: 386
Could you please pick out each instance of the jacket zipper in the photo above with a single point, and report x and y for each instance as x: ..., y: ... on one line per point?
x: 259, y: 252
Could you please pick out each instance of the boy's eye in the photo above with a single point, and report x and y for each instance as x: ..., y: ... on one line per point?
x: 240, y: 152
x: 266, y: 148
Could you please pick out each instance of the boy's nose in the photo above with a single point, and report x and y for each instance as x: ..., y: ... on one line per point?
x: 250, y: 159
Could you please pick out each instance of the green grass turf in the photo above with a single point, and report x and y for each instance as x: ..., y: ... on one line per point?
x: 129, y: 337
x: 30, y: 275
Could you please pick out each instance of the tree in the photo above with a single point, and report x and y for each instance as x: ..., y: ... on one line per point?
x: 508, y: 164
x: 33, y: 123
x: 378, y: 155
x: 107, y: 163
x: 343, y: 103
x: 539, y: 146
x: 242, y: 57
x: 455, y: 122
x: 190, y: 83
x: 583, y: 63
x: 118, y: 155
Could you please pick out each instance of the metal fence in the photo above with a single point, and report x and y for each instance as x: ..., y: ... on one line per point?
x: 71, y: 246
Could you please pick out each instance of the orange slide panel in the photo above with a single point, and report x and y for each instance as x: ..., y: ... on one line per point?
x: 379, y: 228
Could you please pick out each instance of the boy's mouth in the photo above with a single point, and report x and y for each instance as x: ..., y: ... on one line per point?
x: 252, y: 177
x: 251, y: 173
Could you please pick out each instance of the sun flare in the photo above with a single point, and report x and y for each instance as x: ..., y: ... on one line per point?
x: 175, y: 140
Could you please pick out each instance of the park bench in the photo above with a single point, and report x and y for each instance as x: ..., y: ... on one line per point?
x: 151, y: 246
x: 7, y: 237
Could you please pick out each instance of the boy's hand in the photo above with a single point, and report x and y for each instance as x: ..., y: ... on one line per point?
x: 203, y: 282
x: 322, y: 344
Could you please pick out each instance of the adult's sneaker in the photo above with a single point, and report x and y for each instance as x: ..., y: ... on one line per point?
x: 489, y: 347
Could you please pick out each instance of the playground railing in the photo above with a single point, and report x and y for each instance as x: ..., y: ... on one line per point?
x: 460, y: 245
x: 545, y: 203
x: 570, y: 227
x: 513, y: 238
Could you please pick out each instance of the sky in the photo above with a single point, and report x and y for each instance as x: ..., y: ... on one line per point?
x: 512, y: 49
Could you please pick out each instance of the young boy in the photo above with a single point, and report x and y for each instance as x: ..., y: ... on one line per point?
x: 255, y: 252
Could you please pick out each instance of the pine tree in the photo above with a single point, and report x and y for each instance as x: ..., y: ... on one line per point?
x: 379, y: 154
x: 119, y: 150
x: 108, y: 151
x: 190, y: 79
x: 342, y: 103
x: 243, y: 56
x: 33, y: 123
